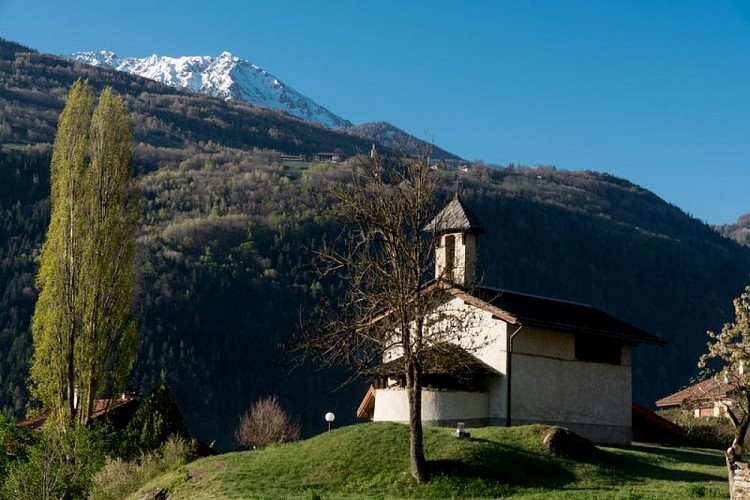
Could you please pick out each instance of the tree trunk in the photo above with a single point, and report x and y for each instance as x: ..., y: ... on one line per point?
x: 416, y: 445
x: 735, y: 452
x: 72, y: 407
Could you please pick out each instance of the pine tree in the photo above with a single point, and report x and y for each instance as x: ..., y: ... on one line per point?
x: 84, y: 338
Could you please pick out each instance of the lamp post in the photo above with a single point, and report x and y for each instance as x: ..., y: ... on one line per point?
x: 330, y: 417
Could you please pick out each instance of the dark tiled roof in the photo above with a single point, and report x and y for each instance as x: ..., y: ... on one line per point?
x: 456, y: 216
x: 441, y: 358
x: 554, y: 314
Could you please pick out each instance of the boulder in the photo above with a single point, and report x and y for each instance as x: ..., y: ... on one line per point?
x: 562, y: 441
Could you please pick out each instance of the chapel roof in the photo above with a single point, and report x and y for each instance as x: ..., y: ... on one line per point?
x: 555, y: 314
x: 442, y: 358
x: 456, y: 216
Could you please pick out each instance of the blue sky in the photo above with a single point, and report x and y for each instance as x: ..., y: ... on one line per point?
x: 657, y: 92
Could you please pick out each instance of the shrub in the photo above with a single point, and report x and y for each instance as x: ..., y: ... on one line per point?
x: 116, y: 479
x: 59, y: 464
x: 14, y: 443
x: 119, y: 478
x: 707, y: 432
x: 265, y: 423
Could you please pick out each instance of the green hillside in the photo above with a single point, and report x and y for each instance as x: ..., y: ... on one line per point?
x: 228, y: 228
x: 371, y: 461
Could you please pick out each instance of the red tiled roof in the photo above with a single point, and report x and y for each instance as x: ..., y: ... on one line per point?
x: 367, y: 406
x: 648, y: 427
x: 709, y: 388
x: 120, y: 405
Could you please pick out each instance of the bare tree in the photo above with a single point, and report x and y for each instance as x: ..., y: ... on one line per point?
x: 389, y: 309
x: 266, y: 423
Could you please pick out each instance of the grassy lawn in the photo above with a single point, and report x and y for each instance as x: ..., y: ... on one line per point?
x: 371, y: 461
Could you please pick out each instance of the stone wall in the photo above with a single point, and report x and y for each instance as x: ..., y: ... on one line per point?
x: 739, y: 480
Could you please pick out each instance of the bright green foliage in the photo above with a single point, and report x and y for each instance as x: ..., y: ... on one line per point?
x: 14, y: 442
x: 60, y: 464
x: 54, y: 324
x: 84, y: 339
x: 157, y: 419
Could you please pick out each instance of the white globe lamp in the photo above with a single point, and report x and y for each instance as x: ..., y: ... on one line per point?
x: 330, y: 417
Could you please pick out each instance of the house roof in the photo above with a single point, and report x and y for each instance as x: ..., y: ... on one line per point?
x: 120, y: 408
x: 456, y: 216
x: 366, y: 408
x: 443, y: 358
x: 545, y: 312
x: 709, y: 388
x: 648, y: 427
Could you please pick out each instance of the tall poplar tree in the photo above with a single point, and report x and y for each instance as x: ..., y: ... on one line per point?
x: 84, y: 337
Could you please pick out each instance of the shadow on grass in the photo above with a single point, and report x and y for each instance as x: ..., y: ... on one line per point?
x: 691, y: 455
x: 627, y: 467
x: 491, y: 462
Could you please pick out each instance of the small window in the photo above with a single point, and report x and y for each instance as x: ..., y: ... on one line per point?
x: 450, y: 256
x: 598, y: 349
x: 707, y: 412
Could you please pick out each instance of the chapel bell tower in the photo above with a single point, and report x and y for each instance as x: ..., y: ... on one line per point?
x: 456, y: 229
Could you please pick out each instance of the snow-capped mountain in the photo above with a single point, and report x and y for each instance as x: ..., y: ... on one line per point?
x: 226, y: 76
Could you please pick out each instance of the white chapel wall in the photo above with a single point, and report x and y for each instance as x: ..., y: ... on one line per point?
x: 551, y: 386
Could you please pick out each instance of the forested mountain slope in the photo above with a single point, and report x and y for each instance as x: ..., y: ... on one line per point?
x: 393, y: 138
x: 33, y: 87
x: 227, y: 226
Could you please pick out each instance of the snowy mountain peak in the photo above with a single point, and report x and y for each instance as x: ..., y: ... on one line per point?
x: 102, y: 58
x: 225, y: 76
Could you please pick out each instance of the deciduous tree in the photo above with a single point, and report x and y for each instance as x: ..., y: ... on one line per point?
x: 727, y: 360
x: 383, y: 260
x: 84, y: 337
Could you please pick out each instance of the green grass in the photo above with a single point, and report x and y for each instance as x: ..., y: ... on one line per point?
x: 371, y: 461
x: 20, y: 146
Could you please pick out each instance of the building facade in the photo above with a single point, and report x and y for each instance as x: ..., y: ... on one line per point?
x: 517, y: 359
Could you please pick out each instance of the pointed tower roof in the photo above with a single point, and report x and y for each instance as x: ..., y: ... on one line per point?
x: 455, y: 217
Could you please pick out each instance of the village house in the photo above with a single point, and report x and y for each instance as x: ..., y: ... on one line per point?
x: 707, y: 398
x: 327, y: 157
x: 118, y: 411
x: 523, y: 358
